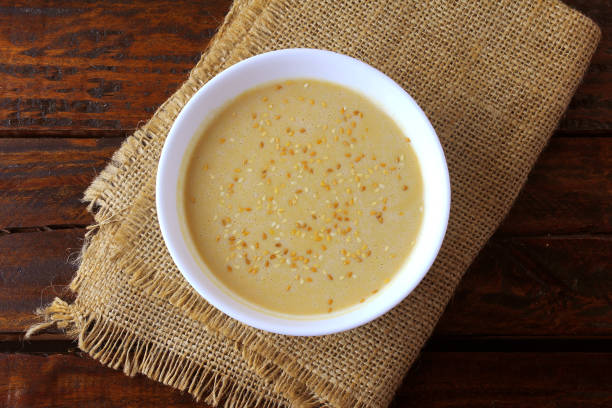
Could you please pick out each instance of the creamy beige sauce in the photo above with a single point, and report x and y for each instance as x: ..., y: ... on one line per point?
x: 302, y: 197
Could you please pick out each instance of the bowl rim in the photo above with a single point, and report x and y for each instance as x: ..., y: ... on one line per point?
x: 167, y: 185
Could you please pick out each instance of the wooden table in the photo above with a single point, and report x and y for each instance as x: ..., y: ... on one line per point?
x: 531, y: 324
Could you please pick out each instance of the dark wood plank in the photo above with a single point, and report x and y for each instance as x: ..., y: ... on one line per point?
x: 31, y: 381
x: 107, y: 65
x: 569, y: 190
x: 541, y: 286
x: 103, y: 67
x: 529, y: 287
x: 34, y: 269
x: 591, y: 107
x: 42, y: 180
x: 500, y: 380
x: 436, y: 380
x: 50, y: 342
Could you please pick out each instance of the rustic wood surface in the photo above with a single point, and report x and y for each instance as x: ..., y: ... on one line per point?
x: 530, y: 324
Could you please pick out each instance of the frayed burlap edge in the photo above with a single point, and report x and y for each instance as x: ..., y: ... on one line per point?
x: 117, y: 348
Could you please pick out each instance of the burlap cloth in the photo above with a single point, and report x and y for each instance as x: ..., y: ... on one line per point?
x: 493, y: 77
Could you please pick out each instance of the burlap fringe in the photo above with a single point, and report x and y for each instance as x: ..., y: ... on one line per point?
x: 120, y: 349
x: 56, y: 314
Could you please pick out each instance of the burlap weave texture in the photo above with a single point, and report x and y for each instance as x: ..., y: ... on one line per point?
x: 493, y: 77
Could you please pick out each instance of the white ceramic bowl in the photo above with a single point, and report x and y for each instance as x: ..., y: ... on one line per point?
x: 353, y: 74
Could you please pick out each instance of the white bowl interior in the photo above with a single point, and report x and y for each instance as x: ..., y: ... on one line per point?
x: 351, y: 73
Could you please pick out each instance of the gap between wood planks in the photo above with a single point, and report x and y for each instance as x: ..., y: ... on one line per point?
x: 65, y: 134
x: 59, y: 227
x: 43, y: 228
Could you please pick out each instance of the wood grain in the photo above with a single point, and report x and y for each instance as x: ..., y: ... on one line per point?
x: 500, y: 380
x: 32, y: 381
x: 96, y: 66
x: 568, y: 191
x: 541, y: 286
x: 34, y: 269
x: 530, y: 287
x: 103, y: 67
x: 42, y: 180
x: 448, y: 380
